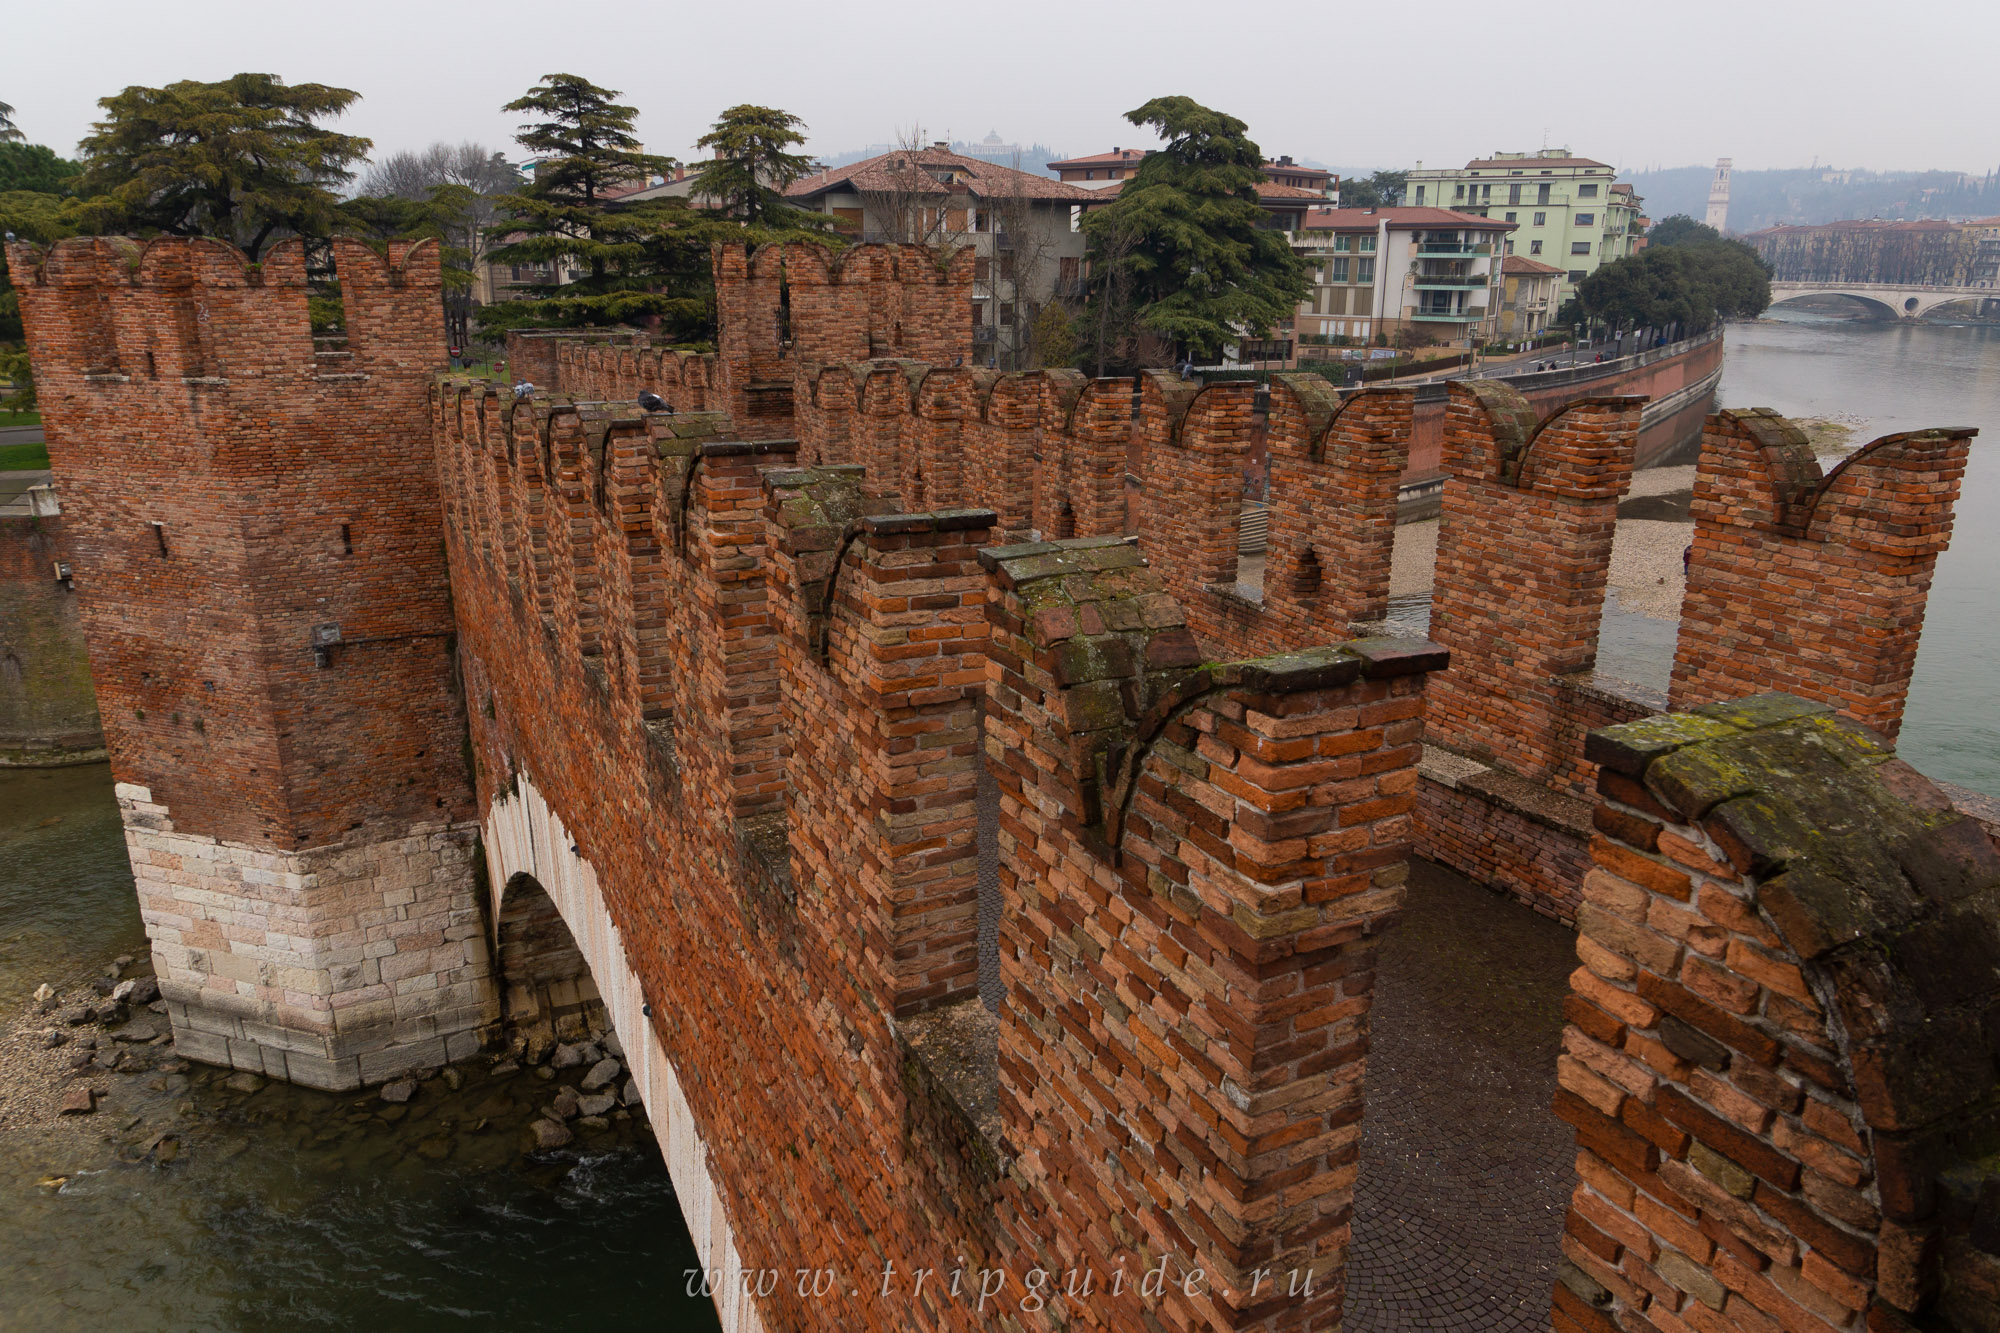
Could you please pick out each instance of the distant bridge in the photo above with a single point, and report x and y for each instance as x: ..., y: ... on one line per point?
x: 1896, y: 300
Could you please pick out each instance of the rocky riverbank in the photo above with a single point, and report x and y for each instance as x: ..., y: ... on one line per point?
x: 89, y: 1079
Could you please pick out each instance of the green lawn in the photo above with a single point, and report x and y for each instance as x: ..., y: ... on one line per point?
x: 20, y: 418
x: 23, y: 457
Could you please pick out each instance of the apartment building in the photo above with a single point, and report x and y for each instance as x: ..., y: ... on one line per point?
x: 1431, y: 274
x: 1528, y: 300
x: 1570, y: 212
x: 1022, y: 228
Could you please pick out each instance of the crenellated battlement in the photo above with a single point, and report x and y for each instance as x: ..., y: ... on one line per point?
x: 1772, y: 534
x: 803, y: 732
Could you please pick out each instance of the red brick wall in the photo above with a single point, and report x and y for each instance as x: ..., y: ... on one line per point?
x: 1246, y: 915
x: 47, y: 707
x: 1523, y: 551
x: 1772, y: 537
x: 1767, y: 1071
x: 180, y: 388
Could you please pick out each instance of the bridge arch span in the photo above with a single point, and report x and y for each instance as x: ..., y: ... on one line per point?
x: 1876, y: 307
x: 549, y: 918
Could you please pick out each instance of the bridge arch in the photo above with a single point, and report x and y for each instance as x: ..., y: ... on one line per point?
x: 1875, y: 306
x: 541, y: 880
x: 547, y: 991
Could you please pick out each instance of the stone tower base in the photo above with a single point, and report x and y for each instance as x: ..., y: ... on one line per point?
x: 334, y: 967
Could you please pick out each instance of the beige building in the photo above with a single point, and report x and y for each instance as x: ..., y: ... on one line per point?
x: 1428, y: 275
x: 1528, y: 300
x: 1022, y: 227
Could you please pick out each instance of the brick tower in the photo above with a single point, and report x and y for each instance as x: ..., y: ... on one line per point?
x: 260, y: 567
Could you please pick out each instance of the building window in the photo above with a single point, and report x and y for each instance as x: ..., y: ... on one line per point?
x: 1513, y: 195
x: 1586, y: 192
x: 1341, y: 244
x: 978, y: 314
x: 1586, y: 219
x: 1512, y: 218
x: 1541, y: 194
x: 1006, y: 266
x: 1006, y: 314
x: 1340, y: 270
x: 982, y: 268
x: 1364, y: 270
x: 1367, y: 245
x: 1486, y: 194
x: 1579, y: 247
x: 1510, y: 247
x: 1541, y: 219
x: 1577, y: 275
x: 1420, y: 194
x: 1534, y: 247
x: 1459, y: 193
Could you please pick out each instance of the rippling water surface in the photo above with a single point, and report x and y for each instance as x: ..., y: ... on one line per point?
x: 283, y: 1208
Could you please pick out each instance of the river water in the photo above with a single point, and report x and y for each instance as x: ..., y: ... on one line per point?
x: 282, y: 1207
x: 1880, y: 379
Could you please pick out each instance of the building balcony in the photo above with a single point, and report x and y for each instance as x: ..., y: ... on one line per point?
x: 1465, y: 316
x: 1449, y: 281
x: 1428, y: 248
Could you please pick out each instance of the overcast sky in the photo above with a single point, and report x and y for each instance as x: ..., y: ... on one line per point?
x: 1771, y: 83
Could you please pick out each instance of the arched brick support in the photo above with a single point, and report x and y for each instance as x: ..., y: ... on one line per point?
x: 544, y: 981
x: 1524, y: 549
x: 1772, y: 535
x: 881, y: 635
x: 1001, y: 468
x: 1167, y: 892
x: 1055, y: 511
x: 572, y: 545
x: 1778, y: 1044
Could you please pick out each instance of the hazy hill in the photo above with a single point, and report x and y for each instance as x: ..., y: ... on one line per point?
x: 1759, y: 199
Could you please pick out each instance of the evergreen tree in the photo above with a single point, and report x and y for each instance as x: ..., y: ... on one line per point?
x: 1680, y: 229
x: 1689, y: 285
x: 33, y: 166
x: 751, y: 165
x: 244, y: 160
x: 1204, y: 264
x: 621, y: 256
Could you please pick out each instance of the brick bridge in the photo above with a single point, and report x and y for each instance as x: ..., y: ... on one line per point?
x: 432, y: 708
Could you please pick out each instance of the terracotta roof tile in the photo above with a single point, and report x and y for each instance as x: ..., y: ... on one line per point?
x: 980, y: 179
x: 1364, y: 219
x: 1522, y: 264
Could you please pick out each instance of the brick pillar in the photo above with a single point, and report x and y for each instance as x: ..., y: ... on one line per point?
x: 1523, y: 552
x: 1194, y: 491
x: 729, y: 730
x: 299, y: 831
x: 943, y: 405
x: 1772, y: 537
x: 1004, y: 461
x: 1769, y: 1063
x: 532, y: 357
x: 1335, y: 467
x: 882, y: 635
x: 527, y: 425
x: 1055, y: 511
x: 886, y: 426
x: 1194, y: 861
x: 573, y: 535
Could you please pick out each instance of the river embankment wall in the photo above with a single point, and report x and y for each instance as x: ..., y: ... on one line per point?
x: 1678, y: 382
x: 48, y: 710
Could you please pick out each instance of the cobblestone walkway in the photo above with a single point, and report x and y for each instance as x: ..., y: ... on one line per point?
x: 1465, y: 1172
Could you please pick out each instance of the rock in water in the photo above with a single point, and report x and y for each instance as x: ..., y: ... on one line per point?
x: 566, y: 1103
x: 504, y: 1068
x: 631, y: 1092
x: 243, y: 1081
x: 598, y: 1105
x: 550, y: 1134
x: 139, y: 990
x: 568, y: 1057
x: 602, y: 1074
x: 78, y: 1101
x: 400, y: 1091
x: 594, y: 1122
x: 44, y: 993
x: 453, y: 1079
x: 614, y: 1047
x: 77, y: 1015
